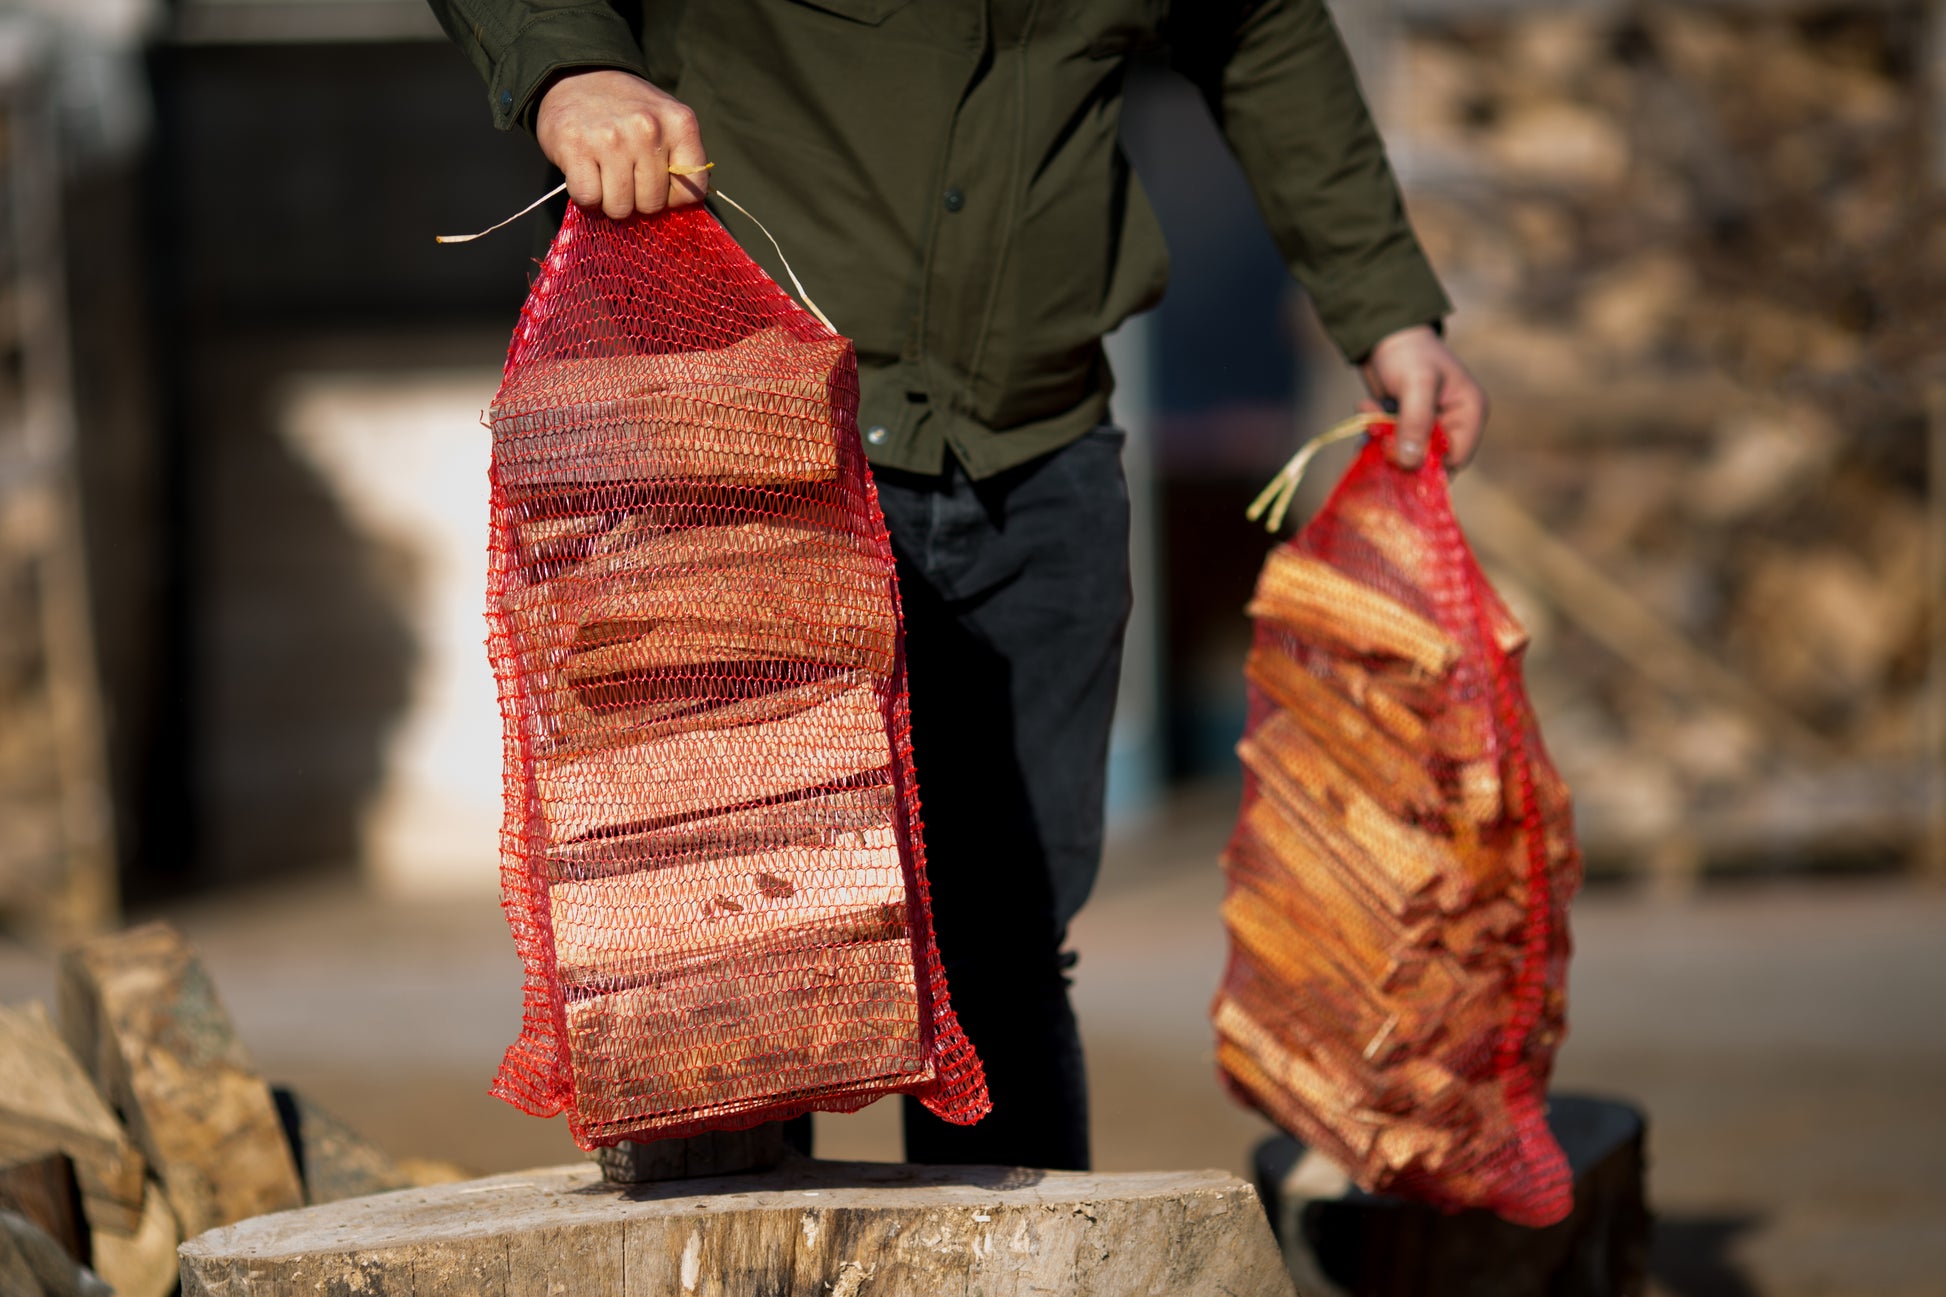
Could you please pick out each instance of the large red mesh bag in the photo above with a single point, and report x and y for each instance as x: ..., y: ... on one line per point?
x: 711, y: 858
x: 1399, y: 877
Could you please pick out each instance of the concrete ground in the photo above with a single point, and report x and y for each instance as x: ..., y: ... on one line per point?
x: 1785, y: 1039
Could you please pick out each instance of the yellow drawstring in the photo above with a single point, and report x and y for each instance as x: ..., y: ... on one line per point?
x: 1277, y: 496
x: 796, y: 283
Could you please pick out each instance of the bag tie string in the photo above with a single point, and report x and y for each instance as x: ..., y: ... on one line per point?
x: 561, y: 188
x: 1276, y: 497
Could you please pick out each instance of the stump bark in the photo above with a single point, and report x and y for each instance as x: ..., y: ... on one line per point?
x: 808, y: 1229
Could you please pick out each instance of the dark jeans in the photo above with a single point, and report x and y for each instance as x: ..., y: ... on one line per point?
x: 1016, y: 593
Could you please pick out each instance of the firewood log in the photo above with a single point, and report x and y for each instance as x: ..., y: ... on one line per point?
x: 609, y: 928
x: 758, y: 412
x: 615, y: 713
x: 1464, y: 731
x: 1482, y: 798
x: 841, y: 819
x: 607, y: 650
x: 1393, y: 715
x: 1409, y: 866
x: 671, y: 776
x: 765, y: 571
x: 1294, y: 943
x: 1291, y: 1089
x: 1299, y: 860
x: 1391, y: 774
x: 1322, y: 605
x: 793, y: 1017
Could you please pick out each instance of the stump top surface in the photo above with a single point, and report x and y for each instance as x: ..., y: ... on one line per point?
x: 552, y: 1197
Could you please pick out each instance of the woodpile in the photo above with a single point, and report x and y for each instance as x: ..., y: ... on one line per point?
x: 1698, y: 253
x: 57, y: 856
x: 134, y: 1119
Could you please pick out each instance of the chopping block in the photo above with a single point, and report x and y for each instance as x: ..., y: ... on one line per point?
x: 799, y: 1229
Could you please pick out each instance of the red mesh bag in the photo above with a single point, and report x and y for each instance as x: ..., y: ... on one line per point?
x: 711, y: 858
x: 1399, y: 876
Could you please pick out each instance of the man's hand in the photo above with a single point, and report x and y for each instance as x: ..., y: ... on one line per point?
x: 614, y: 137
x: 1415, y: 368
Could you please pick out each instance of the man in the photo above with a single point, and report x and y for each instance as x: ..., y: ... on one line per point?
x: 946, y: 177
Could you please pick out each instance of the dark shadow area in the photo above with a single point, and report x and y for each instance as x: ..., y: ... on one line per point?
x: 1690, y: 1255
x: 798, y: 1174
x: 1226, y: 379
x: 300, y: 642
x: 293, y: 194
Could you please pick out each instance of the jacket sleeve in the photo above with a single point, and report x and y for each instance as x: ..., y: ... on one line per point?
x: 1277, y: 77
x: 517, y: 45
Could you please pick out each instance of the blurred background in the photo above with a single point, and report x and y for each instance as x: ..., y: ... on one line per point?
x: 1699, y: 256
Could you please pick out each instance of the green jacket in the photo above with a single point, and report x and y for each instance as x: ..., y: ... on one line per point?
x: 946, y: 179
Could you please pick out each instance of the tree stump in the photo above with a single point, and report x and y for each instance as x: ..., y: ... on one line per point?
x: 1341, y: 1242
x: 805, y: 1228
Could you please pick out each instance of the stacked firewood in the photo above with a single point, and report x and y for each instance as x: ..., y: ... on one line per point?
x: 704, y: 642
x: 1698, y: 253
x: 132, y: 1119
x: 1401, y: 867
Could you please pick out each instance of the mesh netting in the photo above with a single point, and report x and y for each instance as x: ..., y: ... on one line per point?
x: 711, y: 857
x: 1399, y: 876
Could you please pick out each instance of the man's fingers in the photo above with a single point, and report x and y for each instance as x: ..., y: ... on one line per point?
x: 617, y: 187
x: 1417, y: 397
x: 1463, y: 414
x: 615, y: 136
x: 651, y: 183
x: 584, y: 180
x: 686, y: 153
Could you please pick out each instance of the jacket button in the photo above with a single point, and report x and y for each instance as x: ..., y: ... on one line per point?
x: 506, y: 100
x: 877, y: 434
x: 955, y: 200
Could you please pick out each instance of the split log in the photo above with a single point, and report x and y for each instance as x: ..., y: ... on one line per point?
x: 587, y: 715
x: 44, y: 1190
x: 807, y: 1229
x: 142, y: 1262
x: 678, y: 776
x: 141, y: 1013
x: 1348, y: 987
x: 702, y: 905
x: 48, y: 1103
x: 1406, y: 866
x: 334, y: 1161
x: 831, y: 820
x: 1322, y: 605
x: 805, y: 1013
x: 761, y: 411
x: 647, y: 602
x: 1388, y: 773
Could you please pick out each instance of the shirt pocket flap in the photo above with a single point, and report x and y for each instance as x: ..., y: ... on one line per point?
x: 864, y: 11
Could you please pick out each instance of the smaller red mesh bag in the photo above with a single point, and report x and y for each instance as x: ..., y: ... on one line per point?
x: 712, y: 858
x: 1398, y: 882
